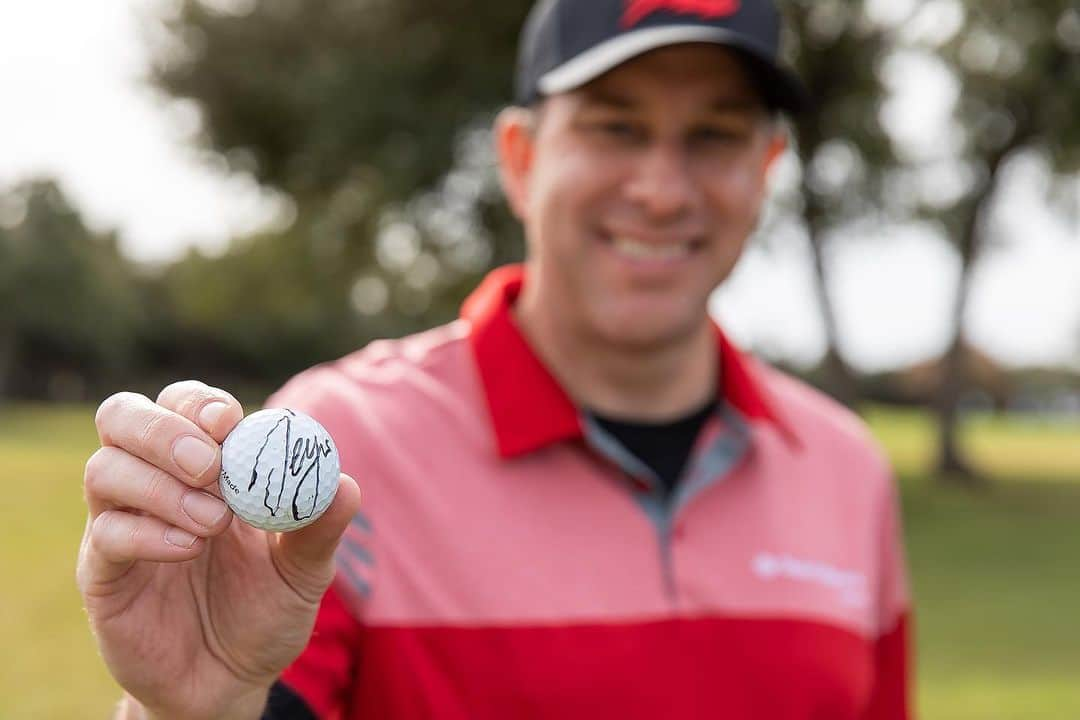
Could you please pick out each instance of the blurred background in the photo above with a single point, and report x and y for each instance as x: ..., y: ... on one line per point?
x: 235, y: 190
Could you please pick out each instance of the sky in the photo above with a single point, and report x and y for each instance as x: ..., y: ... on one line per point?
x: 76, y: 109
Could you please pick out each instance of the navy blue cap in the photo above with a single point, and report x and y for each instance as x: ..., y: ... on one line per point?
x: 567, y: 43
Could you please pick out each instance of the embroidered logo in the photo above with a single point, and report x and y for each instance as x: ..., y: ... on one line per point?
x: 852, y: 586
x: 638, y: 10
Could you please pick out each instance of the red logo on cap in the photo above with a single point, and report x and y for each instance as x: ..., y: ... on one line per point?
x: 638, y: 10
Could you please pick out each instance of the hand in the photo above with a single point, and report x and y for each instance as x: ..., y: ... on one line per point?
x: 195, y: 614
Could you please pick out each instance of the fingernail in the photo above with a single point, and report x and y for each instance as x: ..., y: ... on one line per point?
x: 203, y: 508
x: 211, y: 413
x: 179, y: 538
x: 193, y: 455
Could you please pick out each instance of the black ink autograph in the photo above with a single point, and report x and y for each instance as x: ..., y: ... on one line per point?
x: 301, y: 457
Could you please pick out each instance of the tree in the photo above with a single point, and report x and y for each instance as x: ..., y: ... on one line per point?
x: 11, y: 213
x: 1018, y: 65
x: 72, y: 310
x: 370, y: 121
x: 845, y: 151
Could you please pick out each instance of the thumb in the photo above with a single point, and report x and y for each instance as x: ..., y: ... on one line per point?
x: 306, y: 556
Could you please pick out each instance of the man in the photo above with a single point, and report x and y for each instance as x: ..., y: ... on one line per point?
x: 581, y: 500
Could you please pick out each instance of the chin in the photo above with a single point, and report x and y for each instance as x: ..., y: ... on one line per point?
x: 644, y: 331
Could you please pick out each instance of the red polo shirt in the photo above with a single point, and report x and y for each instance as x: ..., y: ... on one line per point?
x: 514, y: 561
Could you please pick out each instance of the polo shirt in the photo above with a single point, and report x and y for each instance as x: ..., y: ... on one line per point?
x: 513, y: 560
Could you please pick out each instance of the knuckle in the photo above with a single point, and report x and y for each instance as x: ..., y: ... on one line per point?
x: 113, y: 406
x: 156, y: 426
x: 95, y: 470
x: 104, y: 533
x: 132, y: 535
x: 155, y: 488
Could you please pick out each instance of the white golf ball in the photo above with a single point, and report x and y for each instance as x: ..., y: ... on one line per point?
x: 279, y: 470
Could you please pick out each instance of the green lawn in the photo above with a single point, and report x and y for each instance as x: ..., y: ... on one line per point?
x: 51, y: 668
x: 996, y: 574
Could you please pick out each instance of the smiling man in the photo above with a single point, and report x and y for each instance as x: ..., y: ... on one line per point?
x: 581, y: 499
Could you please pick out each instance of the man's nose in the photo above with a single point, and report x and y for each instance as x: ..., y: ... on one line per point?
x: 662, y: 184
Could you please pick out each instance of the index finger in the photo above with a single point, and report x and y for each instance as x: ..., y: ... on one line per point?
x: 159, y: 436
x: 212, y: 409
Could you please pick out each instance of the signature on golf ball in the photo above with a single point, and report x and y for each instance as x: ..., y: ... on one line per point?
x: 279, y: 469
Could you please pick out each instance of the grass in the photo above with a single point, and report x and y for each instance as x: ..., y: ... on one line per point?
x: 995, y: 573
x: 51, y: 669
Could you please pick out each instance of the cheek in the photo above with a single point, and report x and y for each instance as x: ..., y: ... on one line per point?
x: 737, y: 186
x: 568, y: 191
x: 735, y: 199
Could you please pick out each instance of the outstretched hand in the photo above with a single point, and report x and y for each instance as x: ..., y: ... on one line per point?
x: 195, y: 614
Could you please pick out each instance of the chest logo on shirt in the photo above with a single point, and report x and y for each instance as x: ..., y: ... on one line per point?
x: 852, y: 587
x: 638, y: 10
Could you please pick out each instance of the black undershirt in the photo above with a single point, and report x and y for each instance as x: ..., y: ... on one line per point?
x: 663, y: 447
x: 284, y: 704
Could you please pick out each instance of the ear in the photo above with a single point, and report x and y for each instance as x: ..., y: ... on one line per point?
x: 515, y: 143
x: 778, y: 144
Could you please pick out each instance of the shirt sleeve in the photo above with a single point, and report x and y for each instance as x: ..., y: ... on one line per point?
x: 891, y: 695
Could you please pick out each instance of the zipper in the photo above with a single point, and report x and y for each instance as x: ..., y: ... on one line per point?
x: 667, y: 561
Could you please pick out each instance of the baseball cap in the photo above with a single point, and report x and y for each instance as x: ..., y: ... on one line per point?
x: 567, y: 43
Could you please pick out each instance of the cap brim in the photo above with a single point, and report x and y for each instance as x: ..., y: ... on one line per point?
x: 779, y: 86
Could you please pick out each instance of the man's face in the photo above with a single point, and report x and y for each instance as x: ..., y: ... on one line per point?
x: 638, y: 193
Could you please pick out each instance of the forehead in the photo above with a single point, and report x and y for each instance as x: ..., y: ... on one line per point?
x: 697, y: 73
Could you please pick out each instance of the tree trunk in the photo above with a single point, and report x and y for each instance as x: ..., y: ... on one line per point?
x: 840, y: 380
x: 7, y: 356
x: 953, y: 468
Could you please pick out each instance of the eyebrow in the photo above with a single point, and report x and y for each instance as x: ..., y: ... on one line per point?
x: 609, y: 99
x: 616, y: 101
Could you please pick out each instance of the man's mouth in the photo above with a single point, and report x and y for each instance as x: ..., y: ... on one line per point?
x: 634, y: 249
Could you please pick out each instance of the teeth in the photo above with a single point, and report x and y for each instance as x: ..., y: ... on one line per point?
x: 644, y: 251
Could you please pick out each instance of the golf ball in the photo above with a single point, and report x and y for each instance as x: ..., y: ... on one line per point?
x: 279, y: 470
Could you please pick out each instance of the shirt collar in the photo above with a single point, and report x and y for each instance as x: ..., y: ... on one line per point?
x: 530, y: 410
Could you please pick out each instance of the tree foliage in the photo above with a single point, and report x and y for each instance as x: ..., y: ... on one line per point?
x: 72, y: 309
x: 307, y: 94
x: 1018, y: 67
x: 370, y: 120
x: 838, y: 50
x: 845, y: 150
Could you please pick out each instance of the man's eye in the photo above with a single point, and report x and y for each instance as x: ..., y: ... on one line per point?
x: 715, y: 135
x: 619, y: 129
